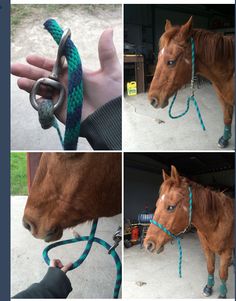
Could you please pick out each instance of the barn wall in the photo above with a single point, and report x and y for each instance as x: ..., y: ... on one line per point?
x: 141, y: 189
x: 139, y: 16
x: 222, y: 178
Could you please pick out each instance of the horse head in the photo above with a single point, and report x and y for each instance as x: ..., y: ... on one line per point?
x: 173, y: 69
x: 171, y: 211
x: 69, y: 189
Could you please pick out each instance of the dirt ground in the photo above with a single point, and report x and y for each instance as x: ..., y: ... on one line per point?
x: 87, y: 22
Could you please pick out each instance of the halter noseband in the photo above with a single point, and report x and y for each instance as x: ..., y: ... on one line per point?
x: 177, y: 235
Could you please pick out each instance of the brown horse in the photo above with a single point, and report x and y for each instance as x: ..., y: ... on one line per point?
x: 69, y: 189
x: 214, y: 60
x: 212, y: 215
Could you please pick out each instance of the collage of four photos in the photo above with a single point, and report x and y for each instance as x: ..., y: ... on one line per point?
x: 122, y: 167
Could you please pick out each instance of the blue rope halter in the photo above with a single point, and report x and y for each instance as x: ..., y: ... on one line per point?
x: 190, y: 98
x: 90, y: 239
x: 177, y: 236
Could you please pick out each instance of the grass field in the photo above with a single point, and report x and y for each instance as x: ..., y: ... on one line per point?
x: 18, y: 174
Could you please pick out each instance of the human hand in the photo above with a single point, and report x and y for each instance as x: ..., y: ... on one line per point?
x: 100, y: 86
x: 56, y: 263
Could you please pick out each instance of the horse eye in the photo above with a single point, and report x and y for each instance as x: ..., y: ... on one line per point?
x: 171, y: 63
x: 171, y: 208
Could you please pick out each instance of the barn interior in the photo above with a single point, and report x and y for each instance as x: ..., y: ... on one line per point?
x: 144, y: 25
x: 156, y: 276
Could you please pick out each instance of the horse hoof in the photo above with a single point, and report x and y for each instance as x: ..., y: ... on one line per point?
x: 222, y: 143
x: 222, y: 297
x: 207, y: 291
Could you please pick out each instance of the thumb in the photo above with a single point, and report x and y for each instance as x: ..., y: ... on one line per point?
x: 66, y: 267
x: 107, y: 51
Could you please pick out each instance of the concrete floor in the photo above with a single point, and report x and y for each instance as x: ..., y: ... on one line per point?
x: 160, y: 272
x: 145, y: 128
x: 94, y: 279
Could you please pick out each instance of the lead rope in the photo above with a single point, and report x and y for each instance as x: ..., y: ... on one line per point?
x: 90, y: 239
x: 75, y: 87
x: 190, y: 98
x: 177, y: 236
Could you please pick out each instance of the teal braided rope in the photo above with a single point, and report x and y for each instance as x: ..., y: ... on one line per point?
x: 75, y: 86
x: 190, y: 98
x: 90, y: 239
x: 190, y: 209
x: 178, y: 241
x: 175, y: 236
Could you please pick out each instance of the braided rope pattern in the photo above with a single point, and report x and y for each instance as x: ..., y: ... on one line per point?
x: 90, y: 239
x: 75, y: 86
x: 190, y: 205
x: 190, y: 98
x: 174, y: 236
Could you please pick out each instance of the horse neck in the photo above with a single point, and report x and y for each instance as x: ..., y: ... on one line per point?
x: 201, y: 220
x: 211, y: 56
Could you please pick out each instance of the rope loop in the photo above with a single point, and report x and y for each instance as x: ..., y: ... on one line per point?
x: 190, y: 98
x: 176, y: 237
x: 90, y: 240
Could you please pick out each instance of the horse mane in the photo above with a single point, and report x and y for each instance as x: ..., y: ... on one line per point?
x: 210, y: 202
x: 212, y: 45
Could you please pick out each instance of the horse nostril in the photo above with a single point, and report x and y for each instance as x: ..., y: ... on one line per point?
x: 150, y: 246
x: 52, y: 231
x: 154, y: 102
x: 27, y: 225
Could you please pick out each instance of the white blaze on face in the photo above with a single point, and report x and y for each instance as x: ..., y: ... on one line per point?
x: 187, y: 61
x: 162, y: 198
x: 185, y: 208
x: 162, y: 51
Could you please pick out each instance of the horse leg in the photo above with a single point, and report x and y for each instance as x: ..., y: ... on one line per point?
x: 228, y: 115
x: 225, y: 259
x: 210, y: 258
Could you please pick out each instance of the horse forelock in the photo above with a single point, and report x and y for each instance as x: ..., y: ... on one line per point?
x: 168, y: 36
x: 171, y: 184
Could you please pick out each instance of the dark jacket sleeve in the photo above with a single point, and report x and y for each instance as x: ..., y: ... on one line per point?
x: 103, y: 128
x: 55, y: 284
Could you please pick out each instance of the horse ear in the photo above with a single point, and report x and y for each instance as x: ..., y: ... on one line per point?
x: 168, y: 25
x: 186, y: 29
x: 174, y: 173
x: 165, y: 175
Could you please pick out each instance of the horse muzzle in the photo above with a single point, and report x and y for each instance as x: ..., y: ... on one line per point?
x: 152, y: 248
x: 53, y: 234
x: 156, y: 103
